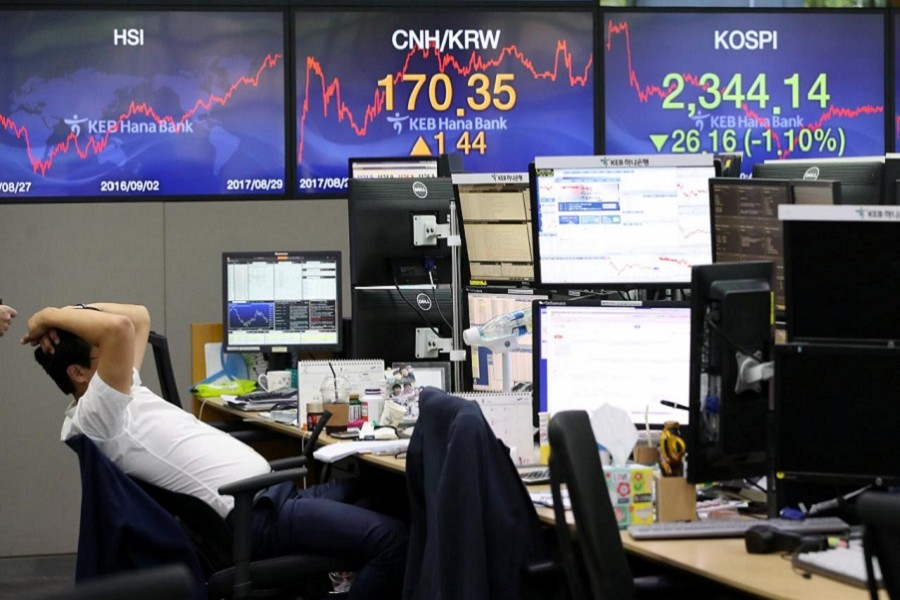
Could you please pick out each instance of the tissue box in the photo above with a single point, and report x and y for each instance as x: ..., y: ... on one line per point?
x: 631, y: 493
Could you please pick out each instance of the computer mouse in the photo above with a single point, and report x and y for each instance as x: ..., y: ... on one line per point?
x: 764, y: 539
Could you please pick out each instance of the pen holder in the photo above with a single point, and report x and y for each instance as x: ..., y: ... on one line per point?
x: 676, y: 499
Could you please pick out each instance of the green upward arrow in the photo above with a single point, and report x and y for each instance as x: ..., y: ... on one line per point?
x: 659, y: 140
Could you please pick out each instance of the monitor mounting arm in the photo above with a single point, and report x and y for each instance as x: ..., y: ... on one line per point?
x: 751, y: 372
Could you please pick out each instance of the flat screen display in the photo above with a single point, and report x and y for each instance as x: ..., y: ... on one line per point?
x: 494, y: 87
x: 768, y: 85
x: 842, y: 274
x: 630, y: 356
x: 109, y: 104
x: 620, y: 220
x: 281, y: 301
x: 496, y: 226
x: 487, y: 367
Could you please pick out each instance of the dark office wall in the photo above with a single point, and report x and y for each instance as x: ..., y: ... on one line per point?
x: 164, y: 255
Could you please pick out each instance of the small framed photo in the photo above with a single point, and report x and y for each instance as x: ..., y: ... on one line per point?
x: 408, y: 377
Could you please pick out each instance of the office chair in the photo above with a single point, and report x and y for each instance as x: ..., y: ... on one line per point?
x: 172, y: 582
x: 879, y: 512
x: 474, y: 532
x: 216, y: 550
x: 245, y: 432
x: 595, y: 563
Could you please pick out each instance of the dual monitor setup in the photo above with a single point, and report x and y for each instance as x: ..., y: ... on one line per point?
x: 654, y: 284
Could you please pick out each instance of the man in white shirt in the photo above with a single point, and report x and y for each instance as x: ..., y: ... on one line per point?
x: 94, y: 352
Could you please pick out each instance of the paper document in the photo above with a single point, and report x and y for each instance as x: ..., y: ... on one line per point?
x: 335, y: 452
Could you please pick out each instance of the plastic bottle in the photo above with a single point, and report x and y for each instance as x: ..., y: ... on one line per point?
x: 373, y: 404
x: 503, y: 327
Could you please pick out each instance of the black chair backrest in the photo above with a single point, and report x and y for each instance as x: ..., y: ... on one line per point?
x: 600, y: 556
x: 880, y: 513
x: 164, y: 370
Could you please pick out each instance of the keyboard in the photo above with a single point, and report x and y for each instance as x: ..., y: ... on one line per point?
x: 534, y: 474
x: 719, y: 528
x: 847, y: 565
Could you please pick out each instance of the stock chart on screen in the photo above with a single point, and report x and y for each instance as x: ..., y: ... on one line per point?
x: 768, y: 85
x: 97, y: 104
x: 494, y: 87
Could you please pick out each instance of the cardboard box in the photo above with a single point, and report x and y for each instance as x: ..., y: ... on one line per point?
x: 676, y: 499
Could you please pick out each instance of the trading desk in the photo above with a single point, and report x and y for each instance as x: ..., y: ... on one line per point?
x: 724, y: 561
x: 388, y: 462
x: 727, y: 562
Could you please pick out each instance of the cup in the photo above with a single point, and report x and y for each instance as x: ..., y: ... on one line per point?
x: 274, y: 380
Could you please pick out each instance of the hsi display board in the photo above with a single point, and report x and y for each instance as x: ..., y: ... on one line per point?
x: 496, y: 88
x: 103, y: 104
x: 766, y: 84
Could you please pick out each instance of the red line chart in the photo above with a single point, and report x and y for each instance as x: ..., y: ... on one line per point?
x: 96, y: 145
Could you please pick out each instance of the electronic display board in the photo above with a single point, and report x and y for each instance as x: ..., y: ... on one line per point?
x: 107, y: 103
x: 769, y: 85
x: 494, y: 87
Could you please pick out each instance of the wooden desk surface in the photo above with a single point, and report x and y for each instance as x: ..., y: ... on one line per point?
x: 388, y: 462
x: 726, y: 561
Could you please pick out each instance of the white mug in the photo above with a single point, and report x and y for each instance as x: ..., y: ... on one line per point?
x: 274, y: 380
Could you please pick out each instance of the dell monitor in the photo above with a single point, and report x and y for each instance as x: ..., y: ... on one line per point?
x: 496, y: 227
x: 383, y: 251
x: 620, y: 221
x: 861, y: 178
x: 731, y: 336
x: 629, y: 355
x: 281, y: 303
x: 403, y: 167
x: 385, y: 320
x: 842, y: 272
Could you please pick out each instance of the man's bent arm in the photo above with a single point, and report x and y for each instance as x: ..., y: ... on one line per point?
x: 140, y: 318
x: 112, y: 334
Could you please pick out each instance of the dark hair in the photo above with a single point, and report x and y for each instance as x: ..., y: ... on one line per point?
x: 71, y: 350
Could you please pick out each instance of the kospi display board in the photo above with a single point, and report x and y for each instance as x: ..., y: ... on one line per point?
x: 765, y: 84
x: 496, y: 88
x: 98, y: 104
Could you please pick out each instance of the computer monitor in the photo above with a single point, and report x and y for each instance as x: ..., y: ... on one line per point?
x: 745, y: 223
x: 382, y: 246
x: 835, y: 414
x: 496, y: 227
x: 891, y: 177
x: 861, y: 178
x: 281, y: 302
x: 731, y: 333
x: 630, y: 355
x: 401, y: 167
x: 385, y: 320
x: 483, y: 304
x: 842, y: 272
x: 626, y: 221
x: 816, y: 191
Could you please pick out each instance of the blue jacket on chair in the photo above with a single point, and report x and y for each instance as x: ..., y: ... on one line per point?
x: 122, y: 528
x: 473, y: 528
